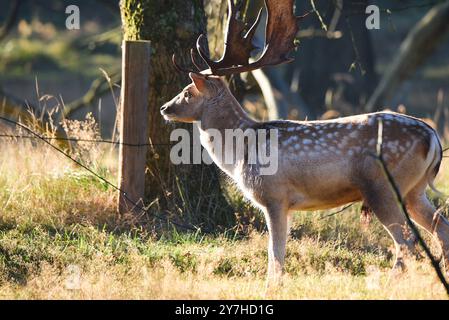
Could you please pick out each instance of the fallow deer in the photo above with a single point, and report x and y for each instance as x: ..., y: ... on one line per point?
x: 322, y: 164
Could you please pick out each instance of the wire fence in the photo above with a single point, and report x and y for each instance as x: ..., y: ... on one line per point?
x: 36, y: 136
x: 18, y: 136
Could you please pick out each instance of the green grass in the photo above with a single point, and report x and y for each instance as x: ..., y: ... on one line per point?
x: 60, y: 238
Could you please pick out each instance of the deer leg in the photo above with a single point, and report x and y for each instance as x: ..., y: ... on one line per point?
x: 424, y: 213
x: 381, y: 200
x: 277, y: 221
x: 365, y: 214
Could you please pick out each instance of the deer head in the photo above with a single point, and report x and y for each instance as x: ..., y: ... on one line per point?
x: 281, y: 28
x: 190, y: 104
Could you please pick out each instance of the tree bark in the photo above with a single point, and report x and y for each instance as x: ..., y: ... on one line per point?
x: 191, y: 192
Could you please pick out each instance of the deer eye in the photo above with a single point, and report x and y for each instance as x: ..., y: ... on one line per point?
x: 187, y: 95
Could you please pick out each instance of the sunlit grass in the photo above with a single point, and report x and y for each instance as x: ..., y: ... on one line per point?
x: 60, y: 238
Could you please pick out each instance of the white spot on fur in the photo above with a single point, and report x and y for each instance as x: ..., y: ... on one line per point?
x: 307, y: 141
x: 392, y: 148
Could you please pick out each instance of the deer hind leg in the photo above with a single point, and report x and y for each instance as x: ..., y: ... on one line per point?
x: 424, y: 213
x: 277, y: 221
x: 380, y: 198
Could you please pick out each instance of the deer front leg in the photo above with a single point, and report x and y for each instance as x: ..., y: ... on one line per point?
x: 277, y: 221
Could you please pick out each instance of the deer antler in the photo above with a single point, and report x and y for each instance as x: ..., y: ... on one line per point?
x: 237, y: 47
x: 281, y: 28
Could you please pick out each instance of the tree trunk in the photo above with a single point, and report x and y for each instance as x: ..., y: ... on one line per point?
x: 191, y: 192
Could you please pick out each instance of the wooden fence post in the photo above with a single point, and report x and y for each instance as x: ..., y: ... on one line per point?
x: 133, y: 123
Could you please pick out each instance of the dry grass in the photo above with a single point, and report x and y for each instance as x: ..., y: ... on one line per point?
x: 60, y: 239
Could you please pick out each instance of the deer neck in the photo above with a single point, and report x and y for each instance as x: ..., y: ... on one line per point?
x: 224, y: 113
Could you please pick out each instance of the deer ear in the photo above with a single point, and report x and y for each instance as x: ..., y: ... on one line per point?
x: 199, y: 81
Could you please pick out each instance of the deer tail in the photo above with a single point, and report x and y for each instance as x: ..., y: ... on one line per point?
x: 434, y: 156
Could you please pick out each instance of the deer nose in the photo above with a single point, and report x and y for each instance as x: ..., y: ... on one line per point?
x: 163, y: 108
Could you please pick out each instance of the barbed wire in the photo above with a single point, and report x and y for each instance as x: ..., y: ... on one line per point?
x: 338, y: 211
x: 18, y: 136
